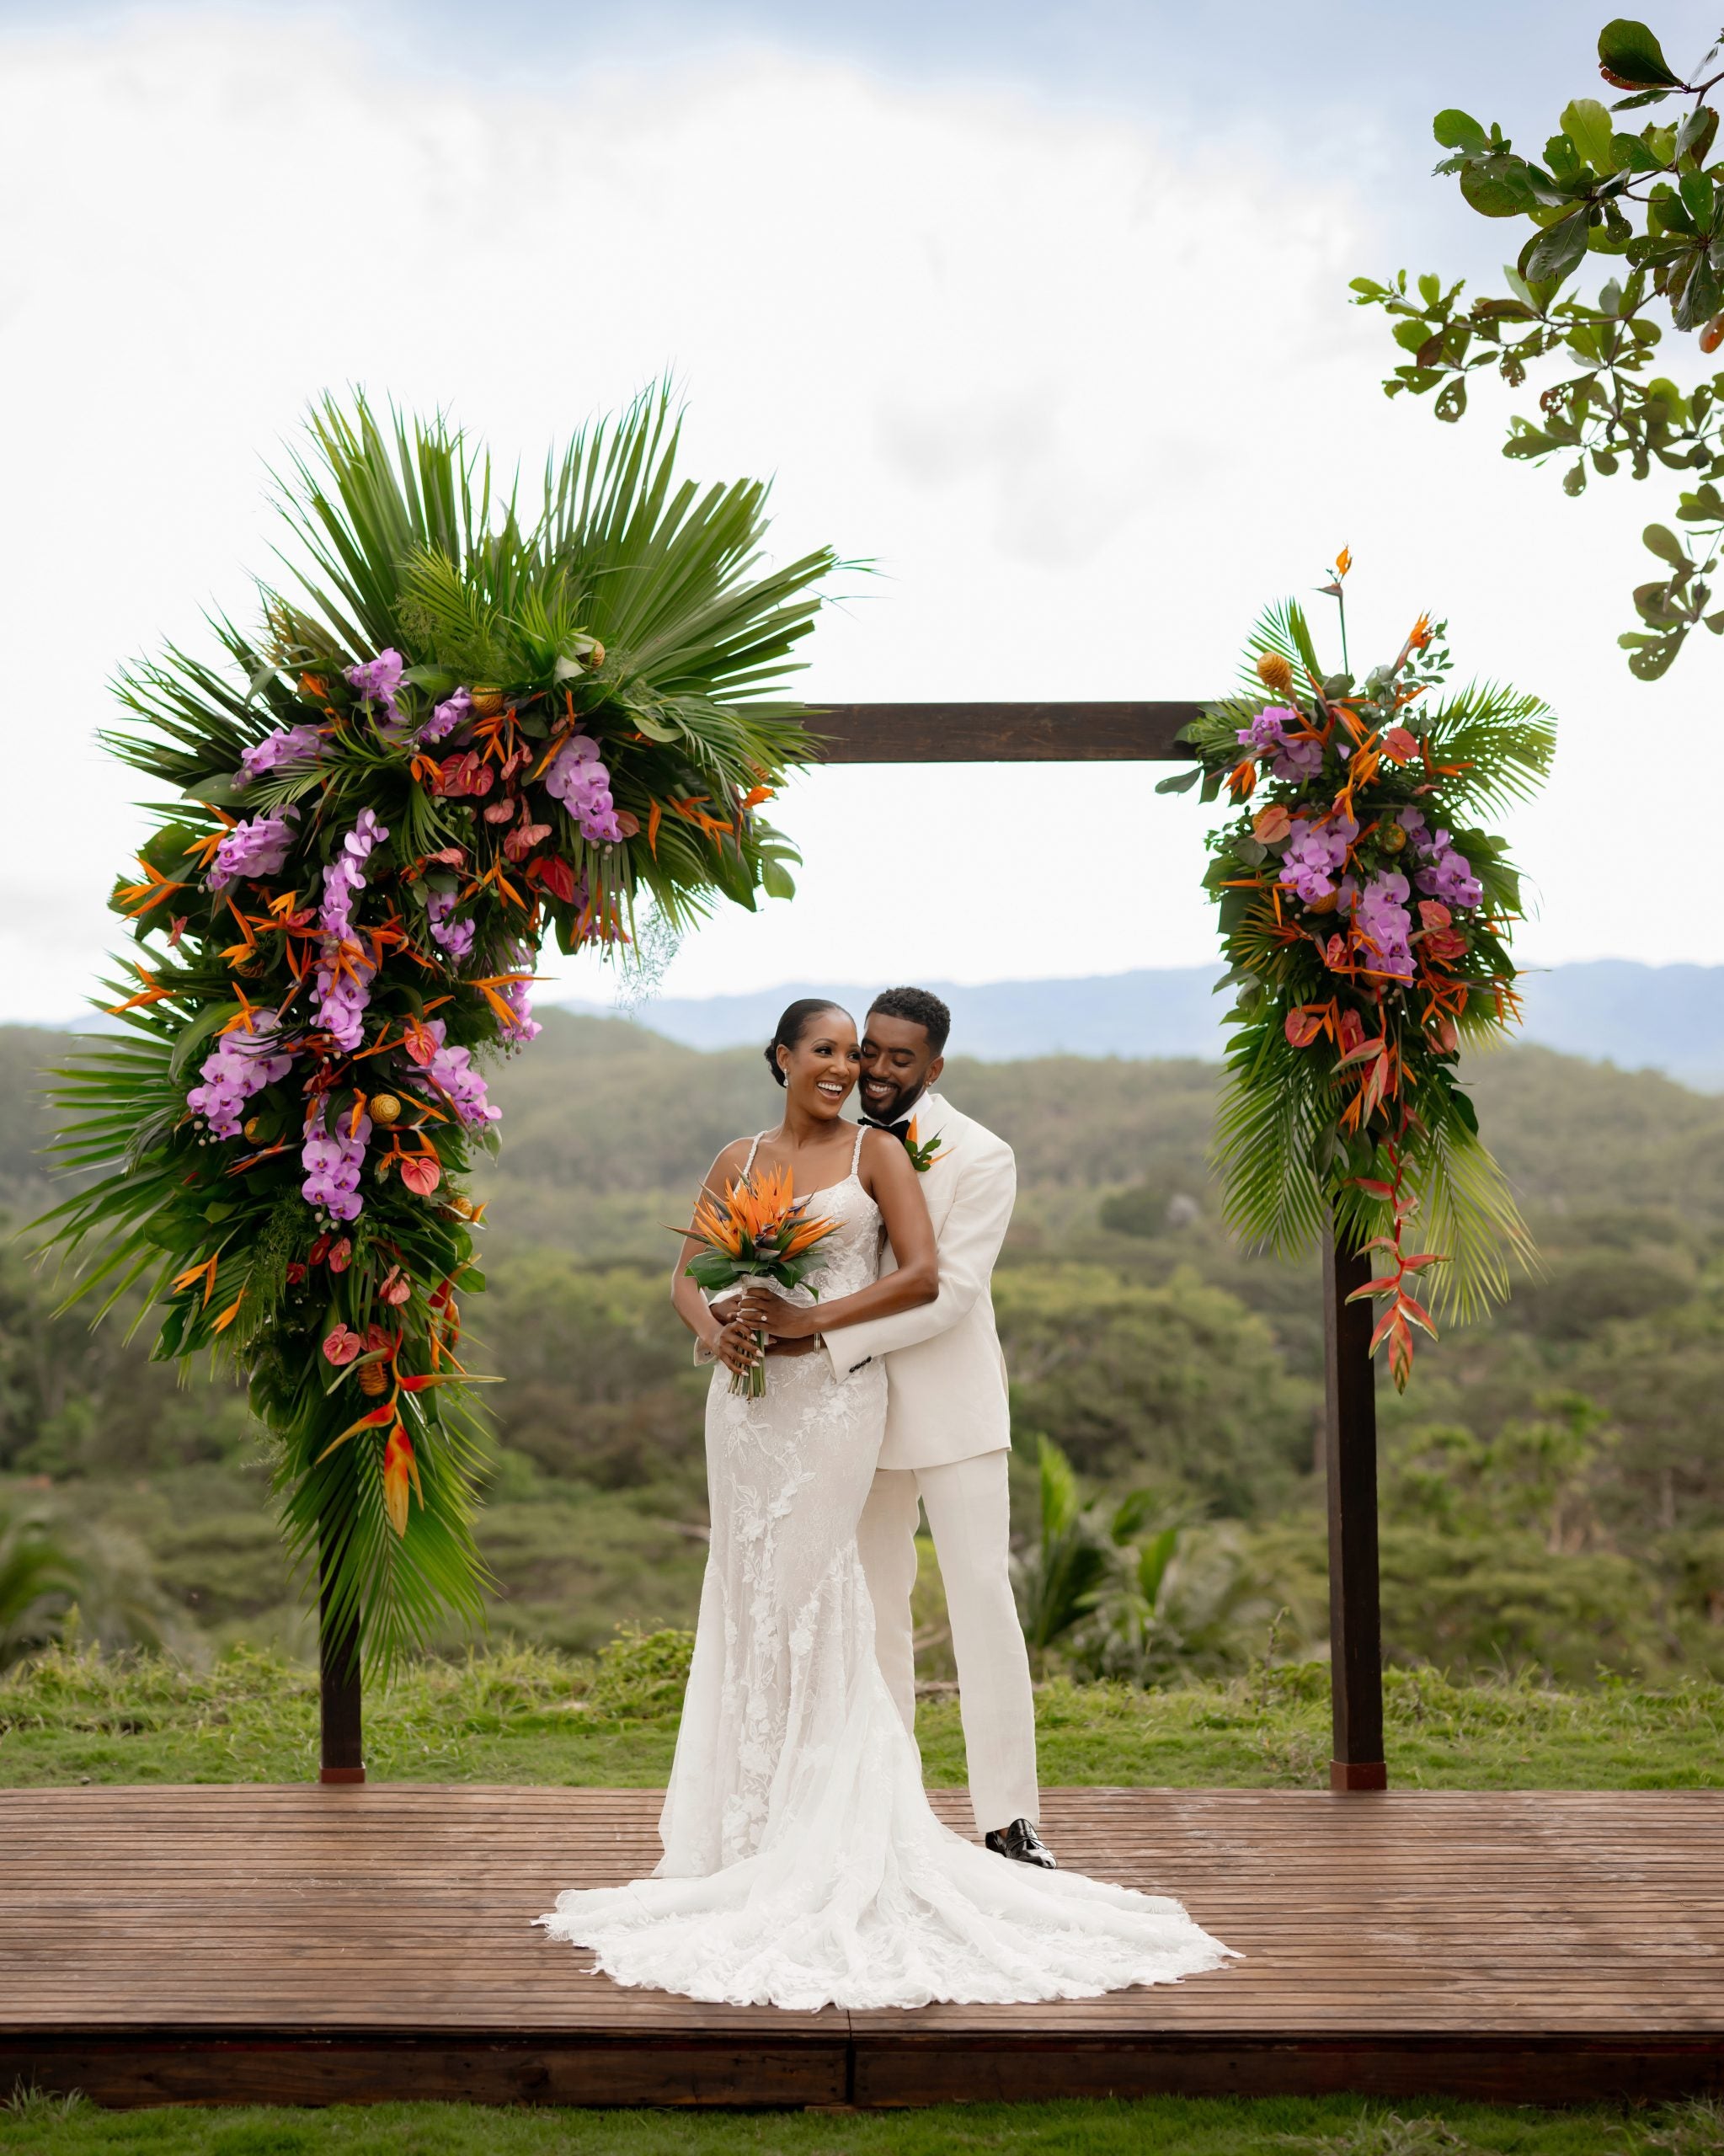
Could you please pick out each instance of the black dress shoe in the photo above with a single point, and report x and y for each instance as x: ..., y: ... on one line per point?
x: 1022, y: 1842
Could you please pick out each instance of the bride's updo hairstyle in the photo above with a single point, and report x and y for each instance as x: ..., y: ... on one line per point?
x: 793, y: 1024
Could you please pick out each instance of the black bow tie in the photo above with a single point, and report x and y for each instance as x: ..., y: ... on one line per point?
x: 900, y: 1131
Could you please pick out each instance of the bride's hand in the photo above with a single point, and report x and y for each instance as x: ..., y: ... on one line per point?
x: 735, y: 1346
x: 769, y: 1313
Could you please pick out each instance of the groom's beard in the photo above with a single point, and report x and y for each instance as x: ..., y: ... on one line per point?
x: 895, y: 1108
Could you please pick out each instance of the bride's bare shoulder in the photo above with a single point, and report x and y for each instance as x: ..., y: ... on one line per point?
x: 730, y: 1163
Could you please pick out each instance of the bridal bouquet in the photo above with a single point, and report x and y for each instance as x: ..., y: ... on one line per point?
x: 1366, y: 918
x: 755, y: 1235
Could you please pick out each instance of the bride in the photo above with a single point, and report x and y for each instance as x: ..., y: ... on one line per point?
x: 803, y: 1864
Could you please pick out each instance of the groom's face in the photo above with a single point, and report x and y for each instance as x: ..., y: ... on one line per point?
x: 898, y: 1064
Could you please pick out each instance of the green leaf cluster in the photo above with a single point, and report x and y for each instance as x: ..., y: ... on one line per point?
x: 1651, y: 200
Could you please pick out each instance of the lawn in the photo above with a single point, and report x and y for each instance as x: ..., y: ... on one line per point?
x: 530, y: 1715
x: 1158, y: 2127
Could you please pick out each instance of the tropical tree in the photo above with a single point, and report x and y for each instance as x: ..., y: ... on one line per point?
x: 1638, y: 211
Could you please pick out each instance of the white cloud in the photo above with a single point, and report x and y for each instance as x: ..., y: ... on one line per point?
x: 1087, y: 400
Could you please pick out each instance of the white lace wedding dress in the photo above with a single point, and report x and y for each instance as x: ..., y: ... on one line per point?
x: 803, y: 1865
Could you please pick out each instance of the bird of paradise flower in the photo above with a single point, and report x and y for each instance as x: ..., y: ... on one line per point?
x: 758, y: 1232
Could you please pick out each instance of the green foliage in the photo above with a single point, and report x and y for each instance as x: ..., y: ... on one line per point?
x: 1651, y: 201
x: 299, y: 1214
x: 38, y: 1578
x: 1175, y: 1381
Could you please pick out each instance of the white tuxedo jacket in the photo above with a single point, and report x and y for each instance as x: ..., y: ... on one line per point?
x: 947, y: 1397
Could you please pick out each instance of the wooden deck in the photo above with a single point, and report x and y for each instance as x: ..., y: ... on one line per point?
x: 228, y: 1945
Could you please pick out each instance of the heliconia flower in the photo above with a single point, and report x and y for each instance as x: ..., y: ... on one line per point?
x: 343, y: 1346
x: 400, y: 1469
x: 1444, y: 1032
x: 288, y: 745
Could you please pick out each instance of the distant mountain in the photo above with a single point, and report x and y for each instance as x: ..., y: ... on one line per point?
x: 1640, y: 1018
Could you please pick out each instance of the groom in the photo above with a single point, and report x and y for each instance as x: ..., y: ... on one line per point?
x: 948, y: 1429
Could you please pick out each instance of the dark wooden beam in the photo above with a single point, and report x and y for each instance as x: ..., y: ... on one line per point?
x: 1350, y: 1451
x: 1002, y: 733
x: 343, y: 1758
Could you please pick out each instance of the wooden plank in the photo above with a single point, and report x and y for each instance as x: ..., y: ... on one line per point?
x: 302, y: 1945
x: 1016, y: 732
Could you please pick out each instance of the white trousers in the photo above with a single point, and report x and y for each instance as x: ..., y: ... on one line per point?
x: 969, y: 1518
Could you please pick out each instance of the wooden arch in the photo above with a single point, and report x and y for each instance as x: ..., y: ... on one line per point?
x: 1107, y: 733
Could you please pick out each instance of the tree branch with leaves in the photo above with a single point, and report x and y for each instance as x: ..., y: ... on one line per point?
x: 1651, y: 203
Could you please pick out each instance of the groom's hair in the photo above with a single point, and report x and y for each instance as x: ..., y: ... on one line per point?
x: 921, y: 1007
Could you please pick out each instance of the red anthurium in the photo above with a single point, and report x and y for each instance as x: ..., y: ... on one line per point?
x: 1302, y: 1027
x: 421, y: 1173
x: 1445, y: 943
x: 342, y: 1346
x: 521, y: 841
x: 420, y: 1042
x: 1399, y: 745
x: 1351, y: 1032
x: 296, y: 1274
x: 554, y: 873
x: 1434, y: 914
x: 397, y: 1288
x: 319, y: 1250
x: 376, y: 1337
x: 340, y: 1255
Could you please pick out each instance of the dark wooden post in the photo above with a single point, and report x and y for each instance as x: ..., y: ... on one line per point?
x: 343, y: 1756
x: 1350, y: 1454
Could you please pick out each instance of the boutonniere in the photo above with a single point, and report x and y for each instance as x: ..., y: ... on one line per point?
x: 921, y: 1155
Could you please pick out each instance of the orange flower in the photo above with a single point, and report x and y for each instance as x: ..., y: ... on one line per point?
x: 400, y: 1468
x: 1343, y: 561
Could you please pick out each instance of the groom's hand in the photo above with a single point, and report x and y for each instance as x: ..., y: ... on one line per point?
x: 769, y: 1313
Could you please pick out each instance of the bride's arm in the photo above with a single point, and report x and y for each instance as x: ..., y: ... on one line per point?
x: 896, y: 1189
x: 732, y: 1344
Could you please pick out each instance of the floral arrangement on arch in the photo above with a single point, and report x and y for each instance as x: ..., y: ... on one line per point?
x: 464, y: 728
x: 1366, y: 919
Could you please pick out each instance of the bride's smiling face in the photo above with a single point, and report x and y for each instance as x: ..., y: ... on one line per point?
x: 821, y: 1070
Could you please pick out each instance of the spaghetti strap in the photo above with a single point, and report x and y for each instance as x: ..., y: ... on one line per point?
x: 753, y: 1148
x: 856, y: 1150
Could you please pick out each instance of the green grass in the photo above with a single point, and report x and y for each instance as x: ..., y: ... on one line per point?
x: 529, y: 1715
x: 1164, y: 2126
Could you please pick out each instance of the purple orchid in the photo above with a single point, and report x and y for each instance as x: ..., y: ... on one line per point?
x: 451, y: 1072
x: 1382, y: 913
x: 377, y: 679
x: 288, y: 745
x: 258, y: 847
x: 332, y: 1160
x: 344, y: 974
x: 454, y: 936
x: 447, y: 716
x: 580, y: 781
x: 244, y: 1062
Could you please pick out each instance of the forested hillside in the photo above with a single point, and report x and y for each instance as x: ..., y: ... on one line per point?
x: 1554, y: 1481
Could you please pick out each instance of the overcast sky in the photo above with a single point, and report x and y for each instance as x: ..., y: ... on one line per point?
x: 1042, y: 309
